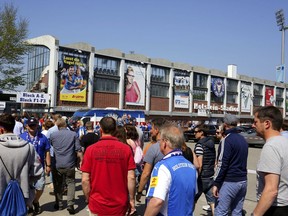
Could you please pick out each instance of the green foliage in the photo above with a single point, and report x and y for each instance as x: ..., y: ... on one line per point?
x: 13, y: 48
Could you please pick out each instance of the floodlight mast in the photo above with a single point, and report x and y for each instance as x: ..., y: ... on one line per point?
x: 280, y: 19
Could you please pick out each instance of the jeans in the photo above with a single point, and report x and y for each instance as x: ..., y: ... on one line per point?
x: 69, y: 175
x: 231, y: 197
x: 205, y: 186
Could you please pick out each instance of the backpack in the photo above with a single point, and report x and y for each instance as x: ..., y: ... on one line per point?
x: 13, y: 202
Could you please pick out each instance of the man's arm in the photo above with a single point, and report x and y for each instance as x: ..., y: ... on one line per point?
x: 131, y: 188
x: 48, y: 162
x: 269, y: 193
x: 144, y: 179
x: 153, y: 207
x: 200, y: 162
x: 86, y: 185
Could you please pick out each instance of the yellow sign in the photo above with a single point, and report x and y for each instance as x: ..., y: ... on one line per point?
x: 154, y: 182
x: 77, y: 97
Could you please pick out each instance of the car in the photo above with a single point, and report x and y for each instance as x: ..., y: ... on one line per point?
x: 252, y: 138
x: 211, y: 131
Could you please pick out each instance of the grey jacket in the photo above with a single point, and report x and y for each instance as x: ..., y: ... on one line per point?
x: 14, y: 153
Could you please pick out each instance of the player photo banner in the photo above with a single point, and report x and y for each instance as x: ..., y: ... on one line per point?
x: 181, y: 91
x: 73, y: 80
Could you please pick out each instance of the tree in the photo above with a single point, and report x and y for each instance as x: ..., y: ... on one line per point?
x: 13, y: 48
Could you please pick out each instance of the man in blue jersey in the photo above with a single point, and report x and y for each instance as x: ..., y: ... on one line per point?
x: 42, y: 147
x: 173, y: 183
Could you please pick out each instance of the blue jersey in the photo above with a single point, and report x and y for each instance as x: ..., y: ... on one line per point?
x: 69, y: 82
x: 40, y: 143
x: 174, y: 180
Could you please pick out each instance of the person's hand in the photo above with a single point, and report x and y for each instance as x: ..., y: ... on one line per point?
x: 215, y: 191
x: 132, y: 208
x: 138, y: 197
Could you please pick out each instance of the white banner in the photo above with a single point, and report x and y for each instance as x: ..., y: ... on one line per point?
x: 246, y: 98
x: 280, y: 73
x: 135, y: 85
x: 2, y: 105
x: 31, y: 97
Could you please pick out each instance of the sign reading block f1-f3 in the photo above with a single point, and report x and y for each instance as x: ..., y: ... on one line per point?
x: 35, y: 98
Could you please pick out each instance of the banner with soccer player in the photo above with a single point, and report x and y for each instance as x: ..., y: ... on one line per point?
x: 73, y: 80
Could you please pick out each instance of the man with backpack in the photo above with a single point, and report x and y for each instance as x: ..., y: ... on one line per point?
x: 19, y: 161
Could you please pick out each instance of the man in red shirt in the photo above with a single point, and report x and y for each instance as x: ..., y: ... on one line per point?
x: 108, y: 176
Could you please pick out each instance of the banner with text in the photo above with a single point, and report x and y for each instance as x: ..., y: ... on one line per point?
x: 181, y: 91
x: 73, y: 80
x: 31, y: 97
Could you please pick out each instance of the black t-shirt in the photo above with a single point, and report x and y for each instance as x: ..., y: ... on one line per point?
x: 89, y: 139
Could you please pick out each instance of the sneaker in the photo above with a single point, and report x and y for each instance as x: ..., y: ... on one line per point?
x: 30, y: 211
x: 71, y: 210
x: 206, y: 208
x: 37, y: 208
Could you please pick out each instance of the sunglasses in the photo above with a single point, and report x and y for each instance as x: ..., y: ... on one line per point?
x: 196, y: 132
x: 217, y: 132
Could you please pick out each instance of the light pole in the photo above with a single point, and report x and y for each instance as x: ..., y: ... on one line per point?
x: 280, y: 19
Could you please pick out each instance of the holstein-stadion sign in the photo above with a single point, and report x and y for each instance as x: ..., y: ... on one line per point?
x: 31, y: 97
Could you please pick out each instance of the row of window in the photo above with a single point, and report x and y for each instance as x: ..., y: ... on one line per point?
x: 107, y: 77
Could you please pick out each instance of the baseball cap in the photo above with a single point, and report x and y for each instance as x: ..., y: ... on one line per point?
x: 230, y: 119
x: 32, y: 121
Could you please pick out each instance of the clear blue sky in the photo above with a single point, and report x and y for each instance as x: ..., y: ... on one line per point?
x: 206, y: 33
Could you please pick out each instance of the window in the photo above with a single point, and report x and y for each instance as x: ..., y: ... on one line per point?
x: 232, y: 91
x: 257, y: 100
x: 106, y: 66
x: 106, y: 74
x: 160, y: 82
x: 200, y: 80
x: 159, y: 90
x: 279, y: 102
x: 38, y: 59
x: 279, y: 97
x: 279, y: 92
x: 200, y: 86
x: 199, y: 94
x: 231, y: 98
x: 106, y: 85
x: 160, y: 74
x: 232, y: 85
x: 258, y: 89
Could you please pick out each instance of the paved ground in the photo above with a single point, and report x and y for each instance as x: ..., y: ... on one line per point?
x: 47, y: 201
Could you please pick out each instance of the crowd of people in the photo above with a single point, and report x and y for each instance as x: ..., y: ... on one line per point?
x: 173, y: 175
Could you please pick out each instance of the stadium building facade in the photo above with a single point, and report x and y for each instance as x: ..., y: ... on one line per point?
x: 178, y: 91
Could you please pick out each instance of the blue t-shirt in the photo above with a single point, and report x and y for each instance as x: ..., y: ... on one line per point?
x: 174, y: 180
x: 40, y: 143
